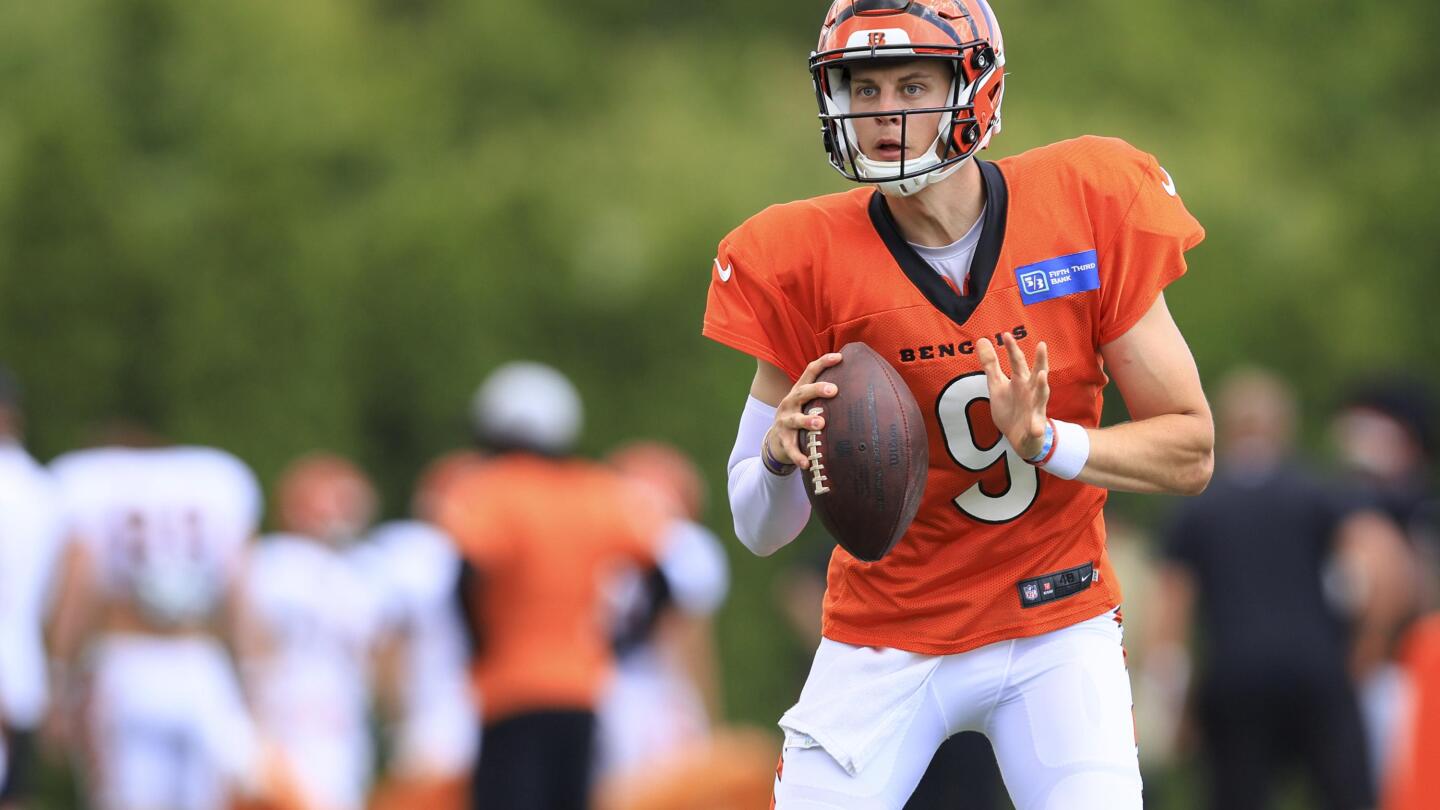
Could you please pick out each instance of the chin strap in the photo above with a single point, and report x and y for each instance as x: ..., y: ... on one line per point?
x: 910, y: 185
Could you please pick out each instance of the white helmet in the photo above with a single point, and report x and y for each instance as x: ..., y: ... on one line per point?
x: 527, y: 405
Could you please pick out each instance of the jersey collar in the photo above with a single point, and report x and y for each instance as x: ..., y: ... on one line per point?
x: 987, y: 252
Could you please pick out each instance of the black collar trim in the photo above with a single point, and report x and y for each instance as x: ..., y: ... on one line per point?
x: 957, y: 307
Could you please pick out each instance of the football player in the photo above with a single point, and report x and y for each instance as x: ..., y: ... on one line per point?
x: 1258, y: 562
x: 159, y: 540
x: 414, y: 569
x: 32, y: 531
x: 1007, y: 294
x: 309, y: 628
x: 665, y: 689
x: 1387, y: 446
x: 660, y: 742
x: 538, y: 531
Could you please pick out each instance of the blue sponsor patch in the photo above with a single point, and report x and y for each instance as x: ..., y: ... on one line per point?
x: 1062, y: 275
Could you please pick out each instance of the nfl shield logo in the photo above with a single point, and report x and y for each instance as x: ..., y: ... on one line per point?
x: 1031, y: 592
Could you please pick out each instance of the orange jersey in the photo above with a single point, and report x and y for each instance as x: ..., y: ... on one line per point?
x: 1414, y: 781
x: 544, y: 534
x: 1078, y: 240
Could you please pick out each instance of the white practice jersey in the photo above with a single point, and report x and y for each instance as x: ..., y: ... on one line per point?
x: 652, y: 707
x: 32, y: 532
x: 415, y: 568
x: 693, y: 561
x: 310, y: 687
x: 165, y: 527
x: 319, y: 620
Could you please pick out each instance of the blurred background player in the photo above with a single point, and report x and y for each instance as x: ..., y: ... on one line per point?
x: 31, y: 536
x: 660, y: 746
x: 1256, y: 559
x: 1384, y: 436
x: 1412, y: 782
x: 308, y: 631
x: 1384, y: 433
x: 538, y: 530
x: 159, y: 539
x: 413, y: 569
x: 665, y: 691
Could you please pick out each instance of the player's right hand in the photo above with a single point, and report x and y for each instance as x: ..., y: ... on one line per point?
x: 783, y: 438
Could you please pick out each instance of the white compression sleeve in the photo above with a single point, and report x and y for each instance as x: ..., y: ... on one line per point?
x: 769, y: 509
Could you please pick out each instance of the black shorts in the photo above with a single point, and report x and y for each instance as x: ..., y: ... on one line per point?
x: 536, y: 761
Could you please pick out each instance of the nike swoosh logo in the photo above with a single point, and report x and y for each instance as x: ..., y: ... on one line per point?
x: 1085, y: 577
x: 725, y: 272
x: 1168, y: 185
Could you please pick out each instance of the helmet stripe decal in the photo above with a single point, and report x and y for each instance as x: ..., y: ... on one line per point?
x: 923, y: 13
x: 989, y: 23
x: 936, y: 20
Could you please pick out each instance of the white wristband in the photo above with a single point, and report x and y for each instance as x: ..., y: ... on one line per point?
x: 1072, y: 450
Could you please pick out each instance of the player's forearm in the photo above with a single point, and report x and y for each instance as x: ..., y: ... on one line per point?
x: 770, y: 510
x: 1170, y: 453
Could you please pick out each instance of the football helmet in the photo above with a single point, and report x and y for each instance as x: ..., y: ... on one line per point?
x: 530, y: 406
x: 961, y: 32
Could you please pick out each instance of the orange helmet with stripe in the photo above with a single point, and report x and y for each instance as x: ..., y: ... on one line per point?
x: 962, y: 33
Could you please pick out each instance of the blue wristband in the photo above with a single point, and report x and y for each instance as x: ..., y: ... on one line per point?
x: 1046, y: 445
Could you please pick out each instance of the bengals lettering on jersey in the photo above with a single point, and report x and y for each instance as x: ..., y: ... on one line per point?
x: 1078, y: 240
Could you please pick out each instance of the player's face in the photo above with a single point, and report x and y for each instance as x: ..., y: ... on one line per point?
x: 333, y: 508
x: 898, y: 86
x: 1375, y: 444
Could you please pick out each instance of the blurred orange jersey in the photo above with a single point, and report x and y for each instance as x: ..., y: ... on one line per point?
x: 544, y: 534
x: 1077, y: 241
x: 1414, y: 782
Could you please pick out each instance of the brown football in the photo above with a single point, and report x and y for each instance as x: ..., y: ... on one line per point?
x: 868, y: 464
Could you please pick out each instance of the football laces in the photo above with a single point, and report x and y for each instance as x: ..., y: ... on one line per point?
x: 817, y: 458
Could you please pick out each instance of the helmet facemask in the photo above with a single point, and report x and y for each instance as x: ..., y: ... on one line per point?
x: 959, y: 134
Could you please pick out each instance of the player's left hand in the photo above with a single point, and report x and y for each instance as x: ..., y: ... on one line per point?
x: 1017, y: 402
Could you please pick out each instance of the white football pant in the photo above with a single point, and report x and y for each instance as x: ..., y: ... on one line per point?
x: 169, y: 725
x: 1056, y: 708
